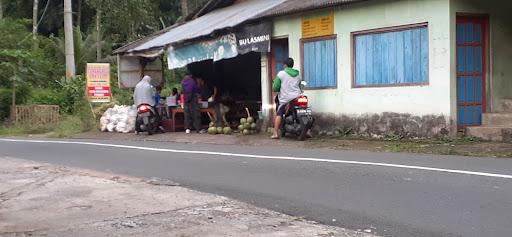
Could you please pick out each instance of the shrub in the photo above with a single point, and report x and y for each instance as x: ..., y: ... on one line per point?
x: 22, y: 94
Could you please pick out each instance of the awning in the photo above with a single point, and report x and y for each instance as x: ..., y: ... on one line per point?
x: 249, y: 38
x: 228, y: 17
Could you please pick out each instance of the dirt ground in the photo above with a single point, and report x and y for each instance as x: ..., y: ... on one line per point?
x: 43, y: 200
x: 461, y: 146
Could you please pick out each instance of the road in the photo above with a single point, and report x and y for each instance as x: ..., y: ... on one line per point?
x: 389, y: 194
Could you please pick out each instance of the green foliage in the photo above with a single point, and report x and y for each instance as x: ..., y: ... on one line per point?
x: 84, y: 49
x: 20, y: 60
x: 70, y: 125
x: 42, y: 96
x: 22, y: 94
x: 73, y: 92
x: 392, y: 136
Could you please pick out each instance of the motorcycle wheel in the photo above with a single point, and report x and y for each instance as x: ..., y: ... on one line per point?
x: 303, y: 134
x: 137, y: 126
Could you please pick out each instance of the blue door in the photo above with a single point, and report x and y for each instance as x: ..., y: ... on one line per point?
x: 471, y: 41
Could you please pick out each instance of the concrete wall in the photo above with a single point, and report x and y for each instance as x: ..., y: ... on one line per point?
x: 345, y: 105
x: 499, y: 83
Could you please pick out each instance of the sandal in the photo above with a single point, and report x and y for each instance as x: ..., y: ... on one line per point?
x: 274, y: 137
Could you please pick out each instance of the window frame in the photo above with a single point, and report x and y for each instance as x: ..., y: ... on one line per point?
x: 399, y: 28
x: 308, y: 40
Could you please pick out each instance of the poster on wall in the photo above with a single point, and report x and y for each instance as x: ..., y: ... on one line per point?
x: 98, y: 82
x: 254, y: 38
x: 223, y: 47
x: 318, y: 25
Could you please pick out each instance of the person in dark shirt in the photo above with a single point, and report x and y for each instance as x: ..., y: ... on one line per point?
x: 191, y: 108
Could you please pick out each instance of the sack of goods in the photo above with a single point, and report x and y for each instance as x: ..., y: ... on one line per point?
x: 120, y: 119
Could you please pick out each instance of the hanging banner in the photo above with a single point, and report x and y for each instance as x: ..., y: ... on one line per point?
x: 98, y: 82
x: 318, y: 25
x: 254, y: 38
x: 223, y: 47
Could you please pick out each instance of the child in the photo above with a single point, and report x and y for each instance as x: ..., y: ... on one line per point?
x: 172, y: 100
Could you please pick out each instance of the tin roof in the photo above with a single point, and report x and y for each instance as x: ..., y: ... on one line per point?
x: 217, y: 16
x: 222, y: 18
x: 295, y: 6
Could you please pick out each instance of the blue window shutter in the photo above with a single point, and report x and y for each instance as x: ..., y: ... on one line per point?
x: 392, y: 58
x: 320, y: 63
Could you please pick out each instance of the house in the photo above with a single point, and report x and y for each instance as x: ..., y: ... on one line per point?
x: 413, y: 68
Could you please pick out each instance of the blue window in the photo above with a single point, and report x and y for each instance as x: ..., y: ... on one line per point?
x: 319, y: 58
x: 391, y: 57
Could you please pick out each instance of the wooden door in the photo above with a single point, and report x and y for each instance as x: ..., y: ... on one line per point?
x: 471, y: 70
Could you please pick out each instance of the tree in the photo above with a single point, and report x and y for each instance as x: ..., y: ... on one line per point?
x: 68, y: 35
x: 1, y: 9
x: 79, y: 13
x: 34, y: 19
x: 184, y: 8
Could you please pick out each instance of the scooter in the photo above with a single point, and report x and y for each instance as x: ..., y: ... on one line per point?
x: 298, y: 118
x: 146, y: 120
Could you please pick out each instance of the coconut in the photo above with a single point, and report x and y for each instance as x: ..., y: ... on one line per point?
x: 220, y: 130
x: 246, y: 132
x: 253, y: 126
x: 250, y: 120
x: 212, y: 131
x: 227, y: 130
x: 241, y: 127
x: 243, y: 120
x: 245, y: 126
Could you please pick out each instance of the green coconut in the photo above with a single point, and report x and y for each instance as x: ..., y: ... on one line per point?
x: 253, y: 126
x: 250, y: 120
x: 212, y: 131
x: 247, y: 126
x: 227, y: 130
x: 243, y: 120
x: 241, y: 127
x: 220, y: 130
x: 246, y: 132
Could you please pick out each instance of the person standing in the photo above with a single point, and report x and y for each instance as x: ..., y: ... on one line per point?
x: 287, y: 84
x: 191, y: 108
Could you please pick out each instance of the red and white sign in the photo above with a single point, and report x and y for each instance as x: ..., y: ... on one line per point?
x: 98, y: 82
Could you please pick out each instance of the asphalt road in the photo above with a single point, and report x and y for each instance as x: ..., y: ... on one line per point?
x: 389, y: 200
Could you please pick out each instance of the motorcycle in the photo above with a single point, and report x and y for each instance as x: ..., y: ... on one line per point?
x: 298, y: 118
x: 146, y: 120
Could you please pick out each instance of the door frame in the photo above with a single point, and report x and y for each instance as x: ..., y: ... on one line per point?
x: 484, y: 20
x: 271, y: 62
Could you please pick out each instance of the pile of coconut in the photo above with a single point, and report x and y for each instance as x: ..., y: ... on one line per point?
x: 247, y: 126
x: 120, y: 118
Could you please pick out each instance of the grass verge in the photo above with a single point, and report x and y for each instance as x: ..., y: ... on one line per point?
x: 69, y: 125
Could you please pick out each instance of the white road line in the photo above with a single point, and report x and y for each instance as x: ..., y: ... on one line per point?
x: 504, y: 176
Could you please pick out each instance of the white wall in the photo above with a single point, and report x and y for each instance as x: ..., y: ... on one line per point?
x: 417, y: 100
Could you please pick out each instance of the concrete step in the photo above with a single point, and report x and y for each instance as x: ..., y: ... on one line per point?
x: 505, y: 106
x: 497, y: 119
x: 489, y: 133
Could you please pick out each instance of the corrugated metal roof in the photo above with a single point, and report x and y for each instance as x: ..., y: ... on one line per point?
x: 295, y: 6
x: 227, y: 17
x: 222, y: 18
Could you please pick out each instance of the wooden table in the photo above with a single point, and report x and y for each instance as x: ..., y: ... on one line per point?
x: 179, y: 110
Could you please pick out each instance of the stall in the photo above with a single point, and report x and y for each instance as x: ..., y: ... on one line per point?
x: 226, y: 47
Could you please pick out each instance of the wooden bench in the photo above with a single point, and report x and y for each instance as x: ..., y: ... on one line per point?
x: 179, y: 110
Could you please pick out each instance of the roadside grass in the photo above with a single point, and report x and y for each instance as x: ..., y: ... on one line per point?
x: 68, y: 125
x: 463, y: 146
